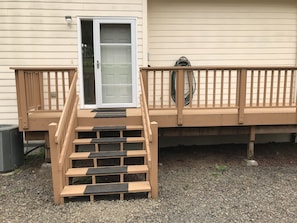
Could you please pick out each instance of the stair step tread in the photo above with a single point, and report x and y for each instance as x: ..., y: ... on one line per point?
x: 117, y: 114
x: 110, y: 110
x: 108, y: 128
x: 107, y: 154
x: 97, y: 189
x: 108, y: 140
x: 131, y: 169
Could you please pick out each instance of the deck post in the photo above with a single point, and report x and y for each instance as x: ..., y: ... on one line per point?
x: 251, y: 144
x: 144, y: 74
x: 41, y: 90
x: 154, y: 156
x: 55, y: 164
x: 242, y: 95
x: 71, y: 73
x: 22, y: 99
x: 180, y: 96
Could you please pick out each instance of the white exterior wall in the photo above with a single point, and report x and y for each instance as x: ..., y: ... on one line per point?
x: 228, y: 32
x: 208, y: 32
x: 34, y: 33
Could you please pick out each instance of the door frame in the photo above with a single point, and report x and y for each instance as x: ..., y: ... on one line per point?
x: 112, y: 20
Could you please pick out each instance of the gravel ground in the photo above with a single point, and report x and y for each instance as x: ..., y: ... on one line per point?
x: 204, y: 184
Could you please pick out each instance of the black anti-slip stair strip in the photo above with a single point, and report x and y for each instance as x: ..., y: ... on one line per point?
x: 107, y: 170
x: 107, y: 154
x: 121, y: 114
x: 109, y: 140
x: 107, y: 188
x: 109, y: 110
x: 109, y: 128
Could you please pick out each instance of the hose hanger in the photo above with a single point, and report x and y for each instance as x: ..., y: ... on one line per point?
x: 190, y: 85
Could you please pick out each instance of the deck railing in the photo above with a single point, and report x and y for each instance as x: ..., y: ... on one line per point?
x: 61, y: 137
x: 150, y: 130
x: 181, y: 88
x: 41, y: 89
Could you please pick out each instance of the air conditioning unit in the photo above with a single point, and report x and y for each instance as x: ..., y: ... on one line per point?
x: 11, y: 148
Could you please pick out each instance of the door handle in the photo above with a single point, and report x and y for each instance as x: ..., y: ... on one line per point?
x: 98, y: 64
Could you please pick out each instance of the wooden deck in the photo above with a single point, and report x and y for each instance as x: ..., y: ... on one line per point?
x: 217, y: 96
x: 39, y: 121
x: 174, y: 101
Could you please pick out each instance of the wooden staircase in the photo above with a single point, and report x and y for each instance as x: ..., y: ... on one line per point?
x: 107, y: 160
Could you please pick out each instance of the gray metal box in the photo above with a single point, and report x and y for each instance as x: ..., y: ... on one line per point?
x: 11, y: 148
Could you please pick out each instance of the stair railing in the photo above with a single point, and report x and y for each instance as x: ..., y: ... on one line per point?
x: 61, y: 137
x: 150, y: 130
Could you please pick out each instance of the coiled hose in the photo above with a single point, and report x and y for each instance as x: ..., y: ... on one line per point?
x: 183, y: 61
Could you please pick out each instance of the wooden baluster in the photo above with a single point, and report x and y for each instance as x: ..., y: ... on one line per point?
x: 57, y: 91
x: 180, y: 100
x: 278, y: 87
x: 154, y: 89
x: 214, y: 88
x: 271, y: 88
x: 206, y: 88
x: 252, y: 89
x: 229, y: 87
x: 198, y: 89
x: 162, y: 88
x: 285, y: 88
x: 265, y: 89
x: 222, y: 88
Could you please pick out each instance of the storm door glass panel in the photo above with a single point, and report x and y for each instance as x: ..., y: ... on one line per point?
x: 88, y: 61
x: 116, y: 63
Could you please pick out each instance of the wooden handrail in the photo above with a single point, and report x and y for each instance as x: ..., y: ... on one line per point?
x: 145, y: 109
x: 68, y: 140
x: 146, y: 126
x: 68, y: 105
x: 217, y: 68
x: 150, y: 130
x: 146, y: 123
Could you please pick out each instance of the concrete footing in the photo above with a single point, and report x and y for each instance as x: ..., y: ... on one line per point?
x: 249, y: 162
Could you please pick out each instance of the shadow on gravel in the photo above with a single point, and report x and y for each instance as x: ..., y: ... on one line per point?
x: 229, y: 154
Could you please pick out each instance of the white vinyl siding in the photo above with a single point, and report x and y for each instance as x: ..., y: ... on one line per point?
x: 224, y: 32
x: 35, y: 33
x: 227, y: 32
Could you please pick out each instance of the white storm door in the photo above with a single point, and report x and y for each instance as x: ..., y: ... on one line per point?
x: 115, y: 62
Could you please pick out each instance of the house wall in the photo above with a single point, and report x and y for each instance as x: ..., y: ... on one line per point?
x: 208, y: 32
x: 34, y: 33
x: 228, y: 32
